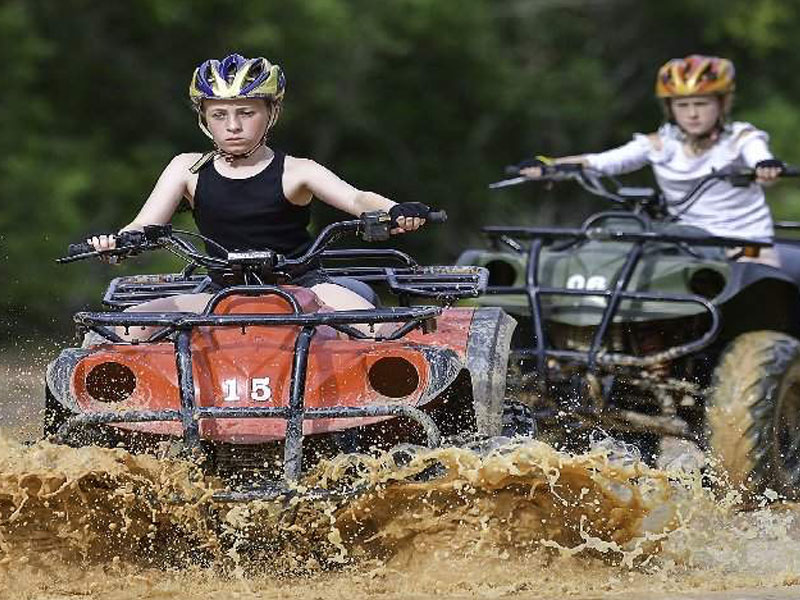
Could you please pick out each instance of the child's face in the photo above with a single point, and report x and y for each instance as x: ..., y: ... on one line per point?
x: 696, y: 115
x: 237, y: 125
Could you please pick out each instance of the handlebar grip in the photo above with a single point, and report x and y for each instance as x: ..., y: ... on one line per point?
x: 124, y: 240
x: 437, y: 216
x: 79, y: 248
x: 790, y: 171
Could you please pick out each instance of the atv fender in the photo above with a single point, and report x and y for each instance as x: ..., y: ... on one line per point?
x: 59, y: 376
x: 445, y: 366
x: 487, y: 361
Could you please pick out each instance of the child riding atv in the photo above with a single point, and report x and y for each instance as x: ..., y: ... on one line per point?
x: 697, y: 137
x: 241, y: 352
x: 664, y: 321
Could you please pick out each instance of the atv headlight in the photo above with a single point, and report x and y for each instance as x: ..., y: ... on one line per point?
x: 501, y: 273
x: 707, y: 283
x: 110, y: 382
x: 393, y: 376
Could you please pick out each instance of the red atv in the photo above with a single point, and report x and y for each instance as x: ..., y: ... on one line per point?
x: 263, y: 366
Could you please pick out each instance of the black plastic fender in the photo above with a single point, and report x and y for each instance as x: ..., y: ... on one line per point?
x: 487, y: 362
x: 59, y: 375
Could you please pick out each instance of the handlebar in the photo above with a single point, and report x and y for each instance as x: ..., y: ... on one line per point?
x: 371, y: 226
x: 547, y: 170
x: 437, y: 217
x: 592, y: 181
x: 735, y: 177
x: 127, y: 243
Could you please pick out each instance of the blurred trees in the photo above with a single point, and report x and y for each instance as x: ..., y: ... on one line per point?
x: 417, y: 99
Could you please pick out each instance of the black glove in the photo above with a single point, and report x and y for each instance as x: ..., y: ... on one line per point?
x: 409, y: 209
x: 771, y: 163
x: 537, y: 161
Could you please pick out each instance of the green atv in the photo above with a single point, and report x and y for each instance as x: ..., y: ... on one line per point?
x: 649, y: 330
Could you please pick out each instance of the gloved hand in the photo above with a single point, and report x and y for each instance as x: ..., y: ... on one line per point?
x: 532, y: 167
x: 769, y: 170
x: 408, y: 216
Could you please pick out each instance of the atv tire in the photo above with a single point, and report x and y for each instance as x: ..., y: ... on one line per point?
x: 753, y: 412
x: 518, y: 420
x: 55, y: 415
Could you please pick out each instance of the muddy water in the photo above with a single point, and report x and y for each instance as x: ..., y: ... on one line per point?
x: 524, y: 521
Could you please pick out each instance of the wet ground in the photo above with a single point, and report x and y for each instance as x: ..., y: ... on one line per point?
x: 528, y: 522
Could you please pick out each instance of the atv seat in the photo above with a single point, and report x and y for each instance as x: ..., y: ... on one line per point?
x: 359, y: 287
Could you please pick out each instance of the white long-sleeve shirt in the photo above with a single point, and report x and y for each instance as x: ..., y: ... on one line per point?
x: 723, y: 209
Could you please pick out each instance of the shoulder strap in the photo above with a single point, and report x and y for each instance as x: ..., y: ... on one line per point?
x: 203, y: 161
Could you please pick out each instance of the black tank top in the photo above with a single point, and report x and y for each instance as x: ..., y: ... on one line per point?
x: 250, y: 213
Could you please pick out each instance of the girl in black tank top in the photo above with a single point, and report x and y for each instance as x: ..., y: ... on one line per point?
x: 250, y: 213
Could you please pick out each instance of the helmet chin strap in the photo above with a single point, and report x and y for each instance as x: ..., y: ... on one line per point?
x: 710, y: 137
x: 229, y: 157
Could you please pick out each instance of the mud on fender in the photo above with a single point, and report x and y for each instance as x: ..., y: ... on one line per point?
x: 59, y: 375
x: 488, y: 347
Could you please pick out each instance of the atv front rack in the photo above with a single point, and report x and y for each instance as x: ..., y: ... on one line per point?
x: 180, y: 327
x: 124, y: 292
x: 406, y: 279
x: 595, y: 355
x: 444, y: 284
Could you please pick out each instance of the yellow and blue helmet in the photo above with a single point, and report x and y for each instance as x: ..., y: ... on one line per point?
x: 236, y: 77
x: 232, y: 78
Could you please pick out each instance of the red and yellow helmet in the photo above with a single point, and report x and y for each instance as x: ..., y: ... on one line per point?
x: 236, y: 77
x: 696, y: 75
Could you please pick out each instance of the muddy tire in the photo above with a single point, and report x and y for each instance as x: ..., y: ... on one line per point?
x: 518, y: 420
x: 55, y: 415
x: 753, y: 412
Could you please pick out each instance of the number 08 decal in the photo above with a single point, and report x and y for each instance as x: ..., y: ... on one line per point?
x: 259, y: 387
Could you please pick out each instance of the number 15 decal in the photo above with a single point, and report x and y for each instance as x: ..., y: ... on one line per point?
x: 260, y: 389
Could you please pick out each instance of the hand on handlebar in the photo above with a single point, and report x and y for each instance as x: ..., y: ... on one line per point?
x: 543, y: 167
x: 408, y: 216
x: 767, y: 171
x: 104, y: 243
x: 111, y: 248
x: 534, y: 168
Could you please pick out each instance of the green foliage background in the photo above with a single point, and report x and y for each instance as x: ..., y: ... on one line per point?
x: 417, y: 99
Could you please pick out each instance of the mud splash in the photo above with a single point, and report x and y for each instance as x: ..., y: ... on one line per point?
x: 522, y: 520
